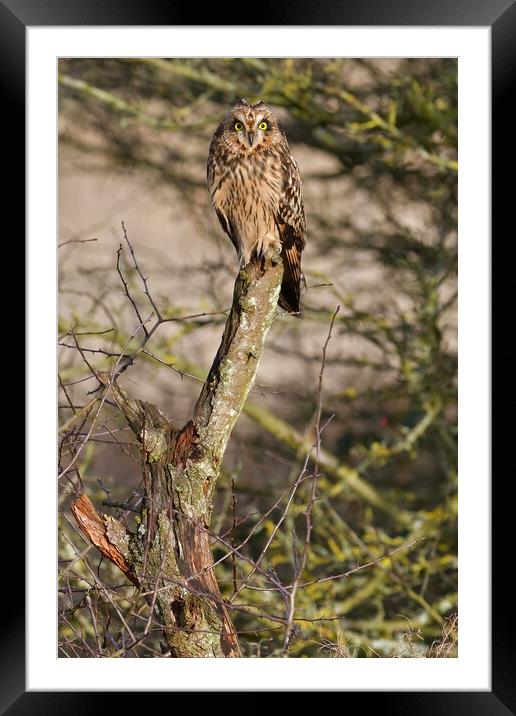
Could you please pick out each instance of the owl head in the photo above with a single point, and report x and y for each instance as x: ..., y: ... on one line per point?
x: 250, y: 128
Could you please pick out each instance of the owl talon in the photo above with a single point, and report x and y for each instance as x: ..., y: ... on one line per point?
x: 273, y: 253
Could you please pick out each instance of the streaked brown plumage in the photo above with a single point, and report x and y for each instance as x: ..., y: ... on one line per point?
x: 255, y: 188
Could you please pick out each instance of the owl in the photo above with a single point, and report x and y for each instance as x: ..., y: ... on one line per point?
x: 255, y: 187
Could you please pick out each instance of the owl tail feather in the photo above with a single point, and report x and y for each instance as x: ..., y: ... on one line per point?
x: 292, y: 277
x: 289, y: 299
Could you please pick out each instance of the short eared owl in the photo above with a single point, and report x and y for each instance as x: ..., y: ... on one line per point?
x: 256, y: 191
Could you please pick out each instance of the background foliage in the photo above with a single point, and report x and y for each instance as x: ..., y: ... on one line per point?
x: 377, y: 144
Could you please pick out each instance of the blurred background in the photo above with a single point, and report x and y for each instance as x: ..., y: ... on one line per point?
x: 376, y: 142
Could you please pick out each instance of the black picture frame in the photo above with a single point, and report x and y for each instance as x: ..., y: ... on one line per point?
x: 500, y: 16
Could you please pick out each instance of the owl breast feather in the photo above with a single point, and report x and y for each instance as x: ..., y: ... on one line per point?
x: 245, y: 192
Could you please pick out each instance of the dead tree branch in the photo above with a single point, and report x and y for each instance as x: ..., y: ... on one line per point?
x: 169, y: 558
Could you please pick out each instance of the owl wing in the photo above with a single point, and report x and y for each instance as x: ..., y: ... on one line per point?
x: 291, y: 223
x: 214, y: 178
x: 227, y: 226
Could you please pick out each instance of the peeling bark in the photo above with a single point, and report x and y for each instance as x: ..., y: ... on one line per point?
x: 169, y: 557
x: 104, y: 532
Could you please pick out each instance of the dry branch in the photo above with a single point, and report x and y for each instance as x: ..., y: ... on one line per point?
x: 170, y: 557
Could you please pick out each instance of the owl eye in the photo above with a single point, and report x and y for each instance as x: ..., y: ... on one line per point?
x: 262, y: 126
x: 238, y: 126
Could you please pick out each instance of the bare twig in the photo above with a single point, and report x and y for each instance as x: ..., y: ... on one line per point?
x: 301, y: 562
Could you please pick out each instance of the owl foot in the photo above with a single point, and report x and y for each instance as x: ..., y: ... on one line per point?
x: 273, y: 253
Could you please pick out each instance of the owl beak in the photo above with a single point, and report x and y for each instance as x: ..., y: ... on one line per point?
x: 250, y: 138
